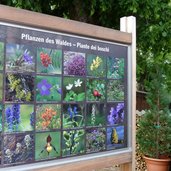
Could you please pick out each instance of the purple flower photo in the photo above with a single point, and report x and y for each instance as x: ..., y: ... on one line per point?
x: 74, y: 63
x: 27, y: 57
x: 44, y: 87
x: 115, y: 113
x: 48, y: 88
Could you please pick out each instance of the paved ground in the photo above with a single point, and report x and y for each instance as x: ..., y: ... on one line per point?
x: 109, y: 169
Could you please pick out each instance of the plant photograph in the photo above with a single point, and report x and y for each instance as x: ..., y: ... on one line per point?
x: 20, y: 58
x: 96, y: 90
x: 0, y: 148
x: 48, y: 116
x: 18, y: 118
x: 95, y: 114
x: 18, y: 148
x: 74, y: 63
x: 49, y: 61
x: 73, y: 115
x: 96, y: 66
x: 95, y: 139
x: 115, y: 68
x: 1, y: 108
x: 1, y: 55
x: 47, y: 145
x: 48, y: 88
x: 115, y: 90
x: 73, y: 142
x: 73, y: 89
x: 115, y: 113
x: 19, y: 88
x: 1, y: 85
x: 115, y: 137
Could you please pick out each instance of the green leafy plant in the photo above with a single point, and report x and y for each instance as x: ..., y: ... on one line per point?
x: 154, y: 132
x: 73, y: 142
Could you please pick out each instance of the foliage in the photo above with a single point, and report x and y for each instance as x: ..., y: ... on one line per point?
x: 1, y: 84
x: 1, y: 54
x: 95, y: 90
x: 1, y: 108
x: 95, y: 140
x: 115, y: 90
x: 115, y: 67
x: 95, y: 114
x: 73, y: 142
x: 19, y: 87
x: 153, y: 22
x: 154, y: 133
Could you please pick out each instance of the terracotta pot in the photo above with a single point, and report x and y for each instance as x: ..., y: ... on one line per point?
x: 157, y: 164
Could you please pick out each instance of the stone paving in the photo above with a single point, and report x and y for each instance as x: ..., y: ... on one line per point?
x: 109, y: 169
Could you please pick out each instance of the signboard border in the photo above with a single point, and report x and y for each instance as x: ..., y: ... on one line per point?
x: 6, y: 18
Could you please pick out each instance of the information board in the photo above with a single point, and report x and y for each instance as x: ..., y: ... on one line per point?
x: 61, y: 95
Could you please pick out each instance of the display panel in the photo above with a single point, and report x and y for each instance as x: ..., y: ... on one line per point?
x: 61, y: 95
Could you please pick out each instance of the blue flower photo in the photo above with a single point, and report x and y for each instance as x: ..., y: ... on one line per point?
x: 19, y: 117
x: 73, y: 115
x: 115, y: 113
x: 20, y: 58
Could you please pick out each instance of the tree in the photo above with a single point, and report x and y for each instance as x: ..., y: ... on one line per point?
x: 153, y: 24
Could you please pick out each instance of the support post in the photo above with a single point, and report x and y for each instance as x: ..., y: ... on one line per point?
x: 128, y: 24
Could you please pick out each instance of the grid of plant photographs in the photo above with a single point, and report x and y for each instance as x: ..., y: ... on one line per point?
x: 58, y: 103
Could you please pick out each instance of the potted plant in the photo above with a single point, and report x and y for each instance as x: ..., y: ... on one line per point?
x: 154, y: 131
